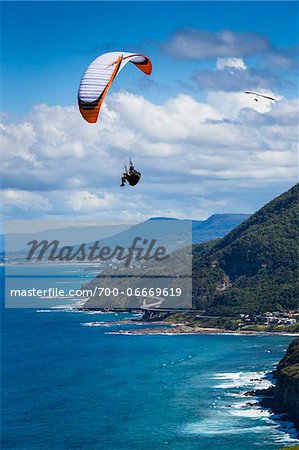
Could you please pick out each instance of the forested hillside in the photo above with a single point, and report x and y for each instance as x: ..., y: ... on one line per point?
x: 254, y: 268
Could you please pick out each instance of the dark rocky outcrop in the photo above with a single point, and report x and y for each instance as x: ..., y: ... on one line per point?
x: 286, y: 392
x: 284, y: 397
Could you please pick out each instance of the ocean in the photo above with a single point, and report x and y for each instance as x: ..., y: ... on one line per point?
x: 69, y: 384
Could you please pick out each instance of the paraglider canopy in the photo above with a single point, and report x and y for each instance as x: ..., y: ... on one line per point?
x: 99, y: 76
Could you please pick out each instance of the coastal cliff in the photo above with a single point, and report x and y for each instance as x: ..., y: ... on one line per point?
x: 286, y: 392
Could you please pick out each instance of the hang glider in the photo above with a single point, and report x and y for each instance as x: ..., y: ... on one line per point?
x: 260, y: 95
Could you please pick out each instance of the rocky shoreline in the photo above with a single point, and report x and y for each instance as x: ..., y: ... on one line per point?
x: 283, y: 396
x: 178, y: 330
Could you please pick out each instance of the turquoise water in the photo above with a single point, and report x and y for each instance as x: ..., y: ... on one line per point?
x: 67, y: 384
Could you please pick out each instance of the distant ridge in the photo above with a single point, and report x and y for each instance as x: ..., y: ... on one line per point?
x: 66, y: 235
x: 167, y: 229
x: 163, y: 218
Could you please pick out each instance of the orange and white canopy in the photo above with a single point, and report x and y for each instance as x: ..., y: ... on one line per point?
x: 99, y: 76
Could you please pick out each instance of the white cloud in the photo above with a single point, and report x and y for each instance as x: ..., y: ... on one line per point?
x: 85, y: 201
x: 196, y: 44
x: 24, y: 200
x: 16, y: 141
x: 235, y: 63
x: 235, y: 79
x: 284, y: 59
x: 230, y: 104
x: 193, y: 156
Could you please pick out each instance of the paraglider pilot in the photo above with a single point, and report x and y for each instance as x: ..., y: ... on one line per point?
x: 132, y: 176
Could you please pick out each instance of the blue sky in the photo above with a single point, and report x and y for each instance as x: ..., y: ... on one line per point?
x: 47, y: 45
x: 202, y: 145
